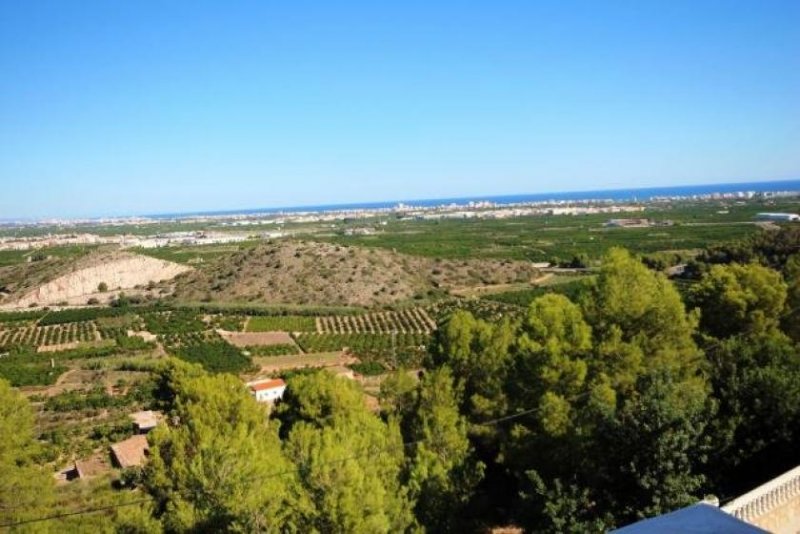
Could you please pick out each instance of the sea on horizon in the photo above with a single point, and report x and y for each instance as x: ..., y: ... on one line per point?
x: 627, y: 194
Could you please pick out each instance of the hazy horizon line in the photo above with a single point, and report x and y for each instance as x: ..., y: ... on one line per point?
x: 378, y: 204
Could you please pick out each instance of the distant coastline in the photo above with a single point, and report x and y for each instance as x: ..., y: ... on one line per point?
x: 634, y: 194
x: 619, y: 195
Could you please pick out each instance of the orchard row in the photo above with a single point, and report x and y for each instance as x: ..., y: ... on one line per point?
x: 53, y: 334
x: 410, y: 321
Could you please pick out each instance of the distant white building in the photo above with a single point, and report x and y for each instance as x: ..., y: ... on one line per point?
x: 267, y: 390
x: 628, y: 223
x: 774, y: 216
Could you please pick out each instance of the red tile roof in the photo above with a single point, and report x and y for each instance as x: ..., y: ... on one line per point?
x: 267, y: 384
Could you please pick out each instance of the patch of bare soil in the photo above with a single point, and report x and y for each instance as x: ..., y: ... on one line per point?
x: 95, y: 465
x: 245, y: 339
x: 499, y: 288
x: 270, y: 365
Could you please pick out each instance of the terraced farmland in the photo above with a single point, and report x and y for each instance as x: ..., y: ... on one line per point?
x: 411, y: 321
x: 53, y: 334
x: 280, y: 323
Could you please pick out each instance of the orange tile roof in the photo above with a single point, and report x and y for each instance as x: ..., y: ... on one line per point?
x: 267, y: 384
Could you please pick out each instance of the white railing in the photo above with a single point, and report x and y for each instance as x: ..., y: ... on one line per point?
x: 766, y: 497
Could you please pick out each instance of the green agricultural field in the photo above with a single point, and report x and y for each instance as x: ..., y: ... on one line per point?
x: 20, y: 371
x: 285, y: 323
x: 215, y: 356
x: 544, y: 238
x: 20, y: 317
x: 23, y: 366
x: 173, y: 322
x: 13, y: 257
x: 261, y: 309
x: 231, y: 323
x: 77, y: 315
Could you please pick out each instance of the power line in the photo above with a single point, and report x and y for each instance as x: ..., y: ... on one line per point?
x: 514, y: 416
x: 365, y: 454
x: 372, y: 452
x: 71, y: 514
x: 404, y: 445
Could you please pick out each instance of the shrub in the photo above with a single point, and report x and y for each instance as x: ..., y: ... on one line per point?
x: 368, y: 368
x: 138, y: 365
x: 134, y: 343
x: 131, y: 477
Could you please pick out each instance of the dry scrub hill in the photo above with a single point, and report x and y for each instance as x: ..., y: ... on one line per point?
x: 290, y: 272
x: 76, y: 281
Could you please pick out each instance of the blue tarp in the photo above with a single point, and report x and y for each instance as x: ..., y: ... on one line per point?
x: 700, y: 518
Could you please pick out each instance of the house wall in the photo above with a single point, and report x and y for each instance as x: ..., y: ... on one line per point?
x: 270, y: 395
x: 773, y: 506
x: 784, y: 519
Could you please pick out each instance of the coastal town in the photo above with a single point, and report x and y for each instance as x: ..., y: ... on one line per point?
x: 239, y: 227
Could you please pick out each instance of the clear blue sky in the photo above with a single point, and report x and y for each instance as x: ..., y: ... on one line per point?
x: 146, y: 107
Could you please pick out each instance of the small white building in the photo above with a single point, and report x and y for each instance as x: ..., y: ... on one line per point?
x: 267, y: 390
x: 145, y: 421
x: 774, y: 216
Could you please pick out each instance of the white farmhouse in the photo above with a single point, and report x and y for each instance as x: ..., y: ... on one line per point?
x: 267, y: 390
x: 772, y: 216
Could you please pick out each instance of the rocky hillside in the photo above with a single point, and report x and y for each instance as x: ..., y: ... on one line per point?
x: 292, y: 272
x: 92, y: 276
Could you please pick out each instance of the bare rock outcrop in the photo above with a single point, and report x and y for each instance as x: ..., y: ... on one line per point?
x: 119, y: 271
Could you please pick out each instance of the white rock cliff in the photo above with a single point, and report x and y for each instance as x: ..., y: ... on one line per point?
x: 124, y: 272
